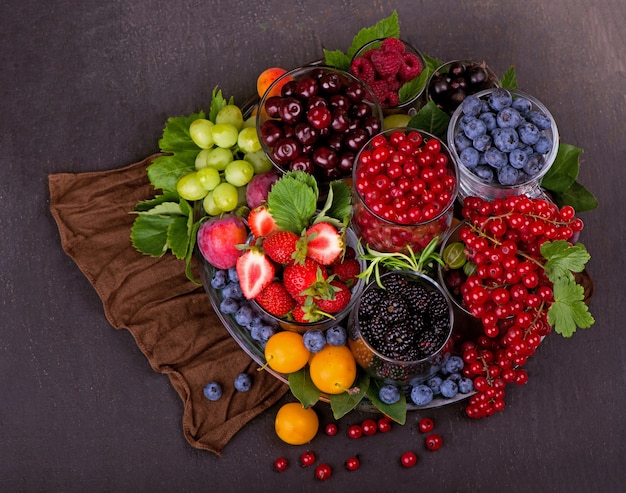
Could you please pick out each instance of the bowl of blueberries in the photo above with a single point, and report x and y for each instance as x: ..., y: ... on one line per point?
x: 504, y: 141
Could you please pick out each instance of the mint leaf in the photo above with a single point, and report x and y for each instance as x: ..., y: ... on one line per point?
x: 389, y: 27
x: 149, y: 234
x: 292, y: 201
x: 568, y: 311
x: 563, y: 259
x: 302, y: 387
x: 509, y: 80
x: 431, y: 119
x: 342, y: 404
x: 396, y: 411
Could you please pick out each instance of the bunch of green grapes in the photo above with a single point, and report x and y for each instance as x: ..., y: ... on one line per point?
x: 230, y: 156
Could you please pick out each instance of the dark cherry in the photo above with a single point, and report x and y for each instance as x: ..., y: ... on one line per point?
x: 302, y: 163
x: 325, y: 157
x: 291, y: 110
x: 346, y: 162
x: 270, y: 133
x: 356, y: 139
x: 355, y: 91
x: 286, y: 150
x: 330, y: 83
x: 340, y: 120
x: 315, y: 101
x: 361, y: 110
x: 306, y: 133
x: 272, y: 106
x: 335, y: 142
x: 306, y: 87
x: 371, y: 125
x: 339, y: 101
x: 289, y: 88
x: 319, y: 117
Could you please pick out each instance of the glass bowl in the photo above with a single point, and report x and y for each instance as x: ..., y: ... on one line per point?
x: 399, y: 92
x: 511, y: 163
x: 426, y: 189
x: 416, y: 343
x: 319, y: 122
x: 452, y: 81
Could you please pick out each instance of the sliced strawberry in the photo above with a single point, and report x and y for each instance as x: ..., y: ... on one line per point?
x: 261, y: 222
x: 276, y: 299
x: 338, y: 301
x: 324, y: 243
x: 255, y: 271
x: 346, y: 271
x: 280, y: 246
x: 305, y: 279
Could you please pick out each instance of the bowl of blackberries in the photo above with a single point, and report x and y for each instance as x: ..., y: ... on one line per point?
x: 400, y: 328
x: 318, y: 122
x: 451, y: 82
x: 504, y: 141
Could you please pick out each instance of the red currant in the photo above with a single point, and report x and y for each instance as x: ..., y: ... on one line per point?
x: 352, y: 463
x: 369, y: 427
x: 426, y: 425
x: 331, y: 429
x: 408, y: 459
x: 307, y: 458
x: 384, y: 425
x: 323, y: 472
x: 355, y: 431
x: 281, y: 464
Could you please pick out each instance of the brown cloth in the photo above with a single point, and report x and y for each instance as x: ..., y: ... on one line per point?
x: 170, y: 317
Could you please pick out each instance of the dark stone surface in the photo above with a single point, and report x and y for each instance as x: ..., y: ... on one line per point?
x: 88, y: 86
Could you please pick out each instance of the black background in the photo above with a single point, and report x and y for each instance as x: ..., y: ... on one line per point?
x: 88, y: 86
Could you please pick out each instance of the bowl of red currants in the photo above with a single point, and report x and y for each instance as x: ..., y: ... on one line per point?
x: 504, y: 141
x: 395, y: 71
x: 318, y: 122
x: 404, y: 185
x: 452, y: 81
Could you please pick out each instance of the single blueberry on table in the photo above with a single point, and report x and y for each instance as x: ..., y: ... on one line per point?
x: 243, y: 382
x: 499, y: 99
x: 314, y: 340
x: 528, y: 133
x: 336, y: 336
x: 495, y: 158
x: 449, y: 388
x: 421, y: 395
x: 212, y: 391
x: 219, y: 279
x: 389, y: 394
x: 469, y: 157
x: 518, y: 158
x: 509, y: 118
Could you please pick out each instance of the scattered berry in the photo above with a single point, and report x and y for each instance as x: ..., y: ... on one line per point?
x: 408, y: 459
x: 213, y: 391
x: 433, y: 441
x: 426, y: 425
x: 281, y: 464
x: 307, y: 458
x: 243, y: 382
x: 369, y: 427
x: 323, y: 472
x: 384, y: 424
x: 331, y: 429
x: 355, y: 431
x: 353, y: 463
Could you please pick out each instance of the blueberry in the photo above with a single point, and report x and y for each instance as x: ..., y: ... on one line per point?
x: 232, y: 274
x: 539, y: 119
x: 389, y: 394
x: 454, y: 364
x: 219, y: 279
x: 449, y: 388
x: 229, y: 306
x: 469, y: 157
x: 543, y: 145
x: 314, y: 340
x: 534, y: 164
x: 421, y: 395
x: 262, y: 333
x: 489, y: 119
x: 484, y: 172
x: 232, y: 290
x: 500, y: 99
x: 518, y: 158
x: 495, y: 158
x: 244, y: 315
x: 505, y: 139
x: 475, y: 129
x: 484, y: 106
x: 461, y: 141
x: 465, y: 385
x: 528, y: 133
x: 465, y: 120
x: 471, y: 105
x: 522, y: 105
x: 509, y: 118
x: 434, y: 383
x: 243, y: 382
x: 212, y: 391
x: 455, y: 377
x: 508, y: 175
x: 336, y: 336
x: 482, y: 143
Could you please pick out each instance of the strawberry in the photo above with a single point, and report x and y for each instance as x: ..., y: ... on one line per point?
x: 337, y: 301
x: 305, y: 314
x: 255, y: 271
x: 261, y: 222
x: 280, y: 246
x: 275, y: 299
x: 304, y: 279
x: 346, y: 271
x: 324, y: 243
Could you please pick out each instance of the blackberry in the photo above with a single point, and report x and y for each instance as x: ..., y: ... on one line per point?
x: 369, y: 303
x: 398, y: 340
x: 397, y: 284
x: 395, y: 308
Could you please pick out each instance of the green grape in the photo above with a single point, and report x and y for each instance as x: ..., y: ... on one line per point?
x: 250, y: 122
x: 219, y: 158
x: 454, y: 255
x: 201, y: 158
x: 469, y: 268
x: 190, y: 188
x: 248, y: 140
x: 200, y: 132
x: 230, y: 114
x: 259, y: 161
x: 209, y: 178
x: 238, y: 172
x: 241, y: 196
x: 225, y: 135
x: 209, y: 206
x: 225, y: 196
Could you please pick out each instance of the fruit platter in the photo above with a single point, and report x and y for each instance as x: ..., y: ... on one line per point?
x: 379, y: 229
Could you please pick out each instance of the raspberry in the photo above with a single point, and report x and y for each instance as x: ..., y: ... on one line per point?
x: 393, y: 98
x: 392, y: 44
x: 379, y: 88
x: 393, y: 84
x: 386, y: 63
x: 410, y: 68
x: 363, y: 69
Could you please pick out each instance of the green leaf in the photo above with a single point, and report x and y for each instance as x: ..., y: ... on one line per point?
x: 146, y: 205
x: 178, y: 237
x: 176, y: 136
x: 389, y: 27
x: 292, y: 201
x: 564, y: 171
x: 568, y: 311
x: 217, y: 103
x: 149, y: 234
x: 509, y: 80
x: 431, y: 119
x: 302, y: 387
x: 409, y: 90
x: 338, y: 204
x: 193, y: 236
x: 342, y: 404
x: 578, y: 197
x: 165, y: 171
x: 337, y: 58
x: 432, y: 63
x: 165, y: 208
x: 396, y: 411
x: 563, y: 259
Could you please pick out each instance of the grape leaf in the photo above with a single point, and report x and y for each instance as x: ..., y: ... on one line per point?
x: 509, y: 79
x: 342, y: 404
x: 302, y: 387
x: 148, y: 204
x: 563, y: 259
x: 396, y: 411
x: 165, y: 208
x: 176, y: 136
x: 431, y: 119
x: 149, y: 234
x: 217, y: 103
x: 165, y: 171
x: 568, y: 311
x: 292, y: 201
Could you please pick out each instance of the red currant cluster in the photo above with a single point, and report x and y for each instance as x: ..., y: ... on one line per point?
x: 509, y: 291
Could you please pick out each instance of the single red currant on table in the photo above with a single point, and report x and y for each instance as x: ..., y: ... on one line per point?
x: 323, y: 472
x: 408, y: 459
x: 384, y: 424
x: 433, y: 441
x: 353, y: 463
x: 355, y: 431
x: 281, y: 464
x: 369, y: 427
x: 426, y: 425
x: 331, y: 429
x: 307, y: 458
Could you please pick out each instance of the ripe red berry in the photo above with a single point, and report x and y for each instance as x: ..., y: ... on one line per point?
x: 355, y: 431
x: 352, y: 464
x: 408, y: 459
x: 369, y: 427
x: 433, y: 441
x: 307, y: 458
x: 281, y: 464
x: 323, y: 472
x: 426, y: 425
x: 331, y: 429
x: 384, y: 425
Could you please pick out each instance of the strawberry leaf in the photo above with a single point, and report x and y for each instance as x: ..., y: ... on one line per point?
x: 568, y: 311
x: 149, y: 234
x: 292, y: 201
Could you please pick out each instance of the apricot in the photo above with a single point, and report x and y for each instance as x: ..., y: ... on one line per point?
x: 267, y: 77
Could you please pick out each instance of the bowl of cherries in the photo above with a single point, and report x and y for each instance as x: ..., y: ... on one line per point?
x: 318, y: 121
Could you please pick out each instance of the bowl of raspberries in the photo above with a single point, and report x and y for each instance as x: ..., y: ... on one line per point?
x: 392, y: 67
